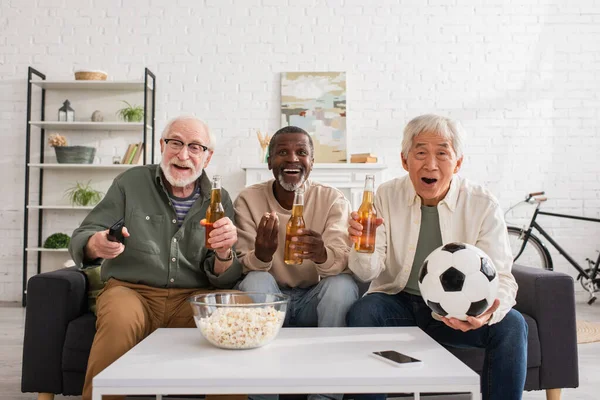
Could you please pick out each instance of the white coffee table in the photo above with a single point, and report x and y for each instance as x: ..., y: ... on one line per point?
x: 300, y: 360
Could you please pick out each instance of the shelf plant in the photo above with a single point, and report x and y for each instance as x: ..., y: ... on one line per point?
x: 57, y: 241
x: 131, y: 113
x: 83, y: 195
x: 66, y: 154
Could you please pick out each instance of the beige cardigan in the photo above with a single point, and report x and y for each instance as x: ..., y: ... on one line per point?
x: 326, y: 211
x: 469, y: 214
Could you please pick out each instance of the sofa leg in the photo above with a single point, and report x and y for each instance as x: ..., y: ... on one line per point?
x: 552, y: 394
x: 45, y: 396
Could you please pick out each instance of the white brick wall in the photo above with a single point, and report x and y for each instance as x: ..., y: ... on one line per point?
x: 522, y: 75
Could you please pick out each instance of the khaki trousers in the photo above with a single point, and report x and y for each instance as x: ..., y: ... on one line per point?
x: 126, y: 314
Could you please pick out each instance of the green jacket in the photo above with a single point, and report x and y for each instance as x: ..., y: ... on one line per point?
x: 158, y: 253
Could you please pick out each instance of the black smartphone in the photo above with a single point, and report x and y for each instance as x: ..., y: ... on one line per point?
x: 115, y: 233
x: 396, y: 358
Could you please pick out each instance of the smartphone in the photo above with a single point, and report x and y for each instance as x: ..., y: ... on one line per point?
x: 115, y: 233
x: 397, y: 359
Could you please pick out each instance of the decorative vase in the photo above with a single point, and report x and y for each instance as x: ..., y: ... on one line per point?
x: 97, y: 116
x: 75, y: 154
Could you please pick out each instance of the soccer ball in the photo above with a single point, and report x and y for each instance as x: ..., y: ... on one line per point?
x: 458, y: 280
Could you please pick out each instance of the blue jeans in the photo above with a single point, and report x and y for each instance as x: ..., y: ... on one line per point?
x: 324, y: 305
x: 505, y: 343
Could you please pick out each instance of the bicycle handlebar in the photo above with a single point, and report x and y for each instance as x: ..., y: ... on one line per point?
x: 530, y: 195
x: 536, y: 193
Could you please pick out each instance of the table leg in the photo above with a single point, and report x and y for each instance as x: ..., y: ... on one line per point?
x: 417, y: 395
x: 159, y: 397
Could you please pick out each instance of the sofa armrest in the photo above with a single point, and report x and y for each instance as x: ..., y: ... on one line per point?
x: 53, y: 300
x: 549, y: 298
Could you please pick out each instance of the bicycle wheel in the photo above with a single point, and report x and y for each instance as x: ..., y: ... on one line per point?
x: 535, y: 254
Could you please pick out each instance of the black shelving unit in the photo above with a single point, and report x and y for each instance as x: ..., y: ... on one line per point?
x: 37, y: 79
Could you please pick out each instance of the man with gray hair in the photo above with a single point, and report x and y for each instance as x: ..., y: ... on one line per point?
x: 161, y: 260
x: 321, y: 293
x: 320, y: 288
x: 420, y: 212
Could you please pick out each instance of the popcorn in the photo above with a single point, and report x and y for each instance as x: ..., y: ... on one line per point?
x: 241, y: 327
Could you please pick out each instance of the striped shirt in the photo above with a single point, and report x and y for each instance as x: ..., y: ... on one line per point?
x: 183, y: 205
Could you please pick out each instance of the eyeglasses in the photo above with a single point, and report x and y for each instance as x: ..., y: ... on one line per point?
x: 193, y: 148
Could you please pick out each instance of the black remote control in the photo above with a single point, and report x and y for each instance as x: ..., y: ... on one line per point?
x: 115, y: 233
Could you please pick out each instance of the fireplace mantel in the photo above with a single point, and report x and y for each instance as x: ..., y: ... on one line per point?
x: 349, y: 178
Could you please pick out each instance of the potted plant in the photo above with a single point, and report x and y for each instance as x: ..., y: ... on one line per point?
x: 70, y: 154
x: 131, y: 113
x: 57, y: 241
x: 83, y: 195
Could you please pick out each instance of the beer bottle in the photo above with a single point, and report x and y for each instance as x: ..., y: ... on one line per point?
x: 215, y: 210
x: 296, y: 222
x: 367, y: 216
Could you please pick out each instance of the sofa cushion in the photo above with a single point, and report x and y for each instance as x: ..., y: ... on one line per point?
x: 78, y: 342
x: 474, y: 357
x: 95, y: 284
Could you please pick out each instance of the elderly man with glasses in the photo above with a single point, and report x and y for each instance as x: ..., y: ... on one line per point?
x: 162, y: 260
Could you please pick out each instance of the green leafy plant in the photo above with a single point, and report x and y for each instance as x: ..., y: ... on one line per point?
x: 131, y: 113
x: 83, y: 195
x: 57, y: 241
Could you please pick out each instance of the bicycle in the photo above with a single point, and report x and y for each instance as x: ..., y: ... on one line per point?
x: 532, y: 251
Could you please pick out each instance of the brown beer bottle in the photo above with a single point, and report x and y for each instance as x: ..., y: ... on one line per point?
x: 215, y: 209
x: 367, y: 216
x: 296, y: 222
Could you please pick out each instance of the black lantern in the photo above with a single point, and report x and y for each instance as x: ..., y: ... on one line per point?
x: 66, y: 113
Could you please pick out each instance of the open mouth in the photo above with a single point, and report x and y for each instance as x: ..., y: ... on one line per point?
x: 429, y: 181
x: 180, y: 167
x: 292, y: 171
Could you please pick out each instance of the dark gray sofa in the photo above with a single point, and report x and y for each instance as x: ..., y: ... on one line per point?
x: 59, y: 331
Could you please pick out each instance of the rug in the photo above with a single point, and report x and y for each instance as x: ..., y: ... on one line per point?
x: 588, y: 332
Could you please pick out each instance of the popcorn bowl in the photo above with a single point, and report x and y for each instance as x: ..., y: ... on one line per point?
x: 239, y: 320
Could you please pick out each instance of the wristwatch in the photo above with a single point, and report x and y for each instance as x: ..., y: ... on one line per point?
x: 228, y: 258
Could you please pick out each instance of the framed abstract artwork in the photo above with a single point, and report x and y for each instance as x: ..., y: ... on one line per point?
x: 316, y: 102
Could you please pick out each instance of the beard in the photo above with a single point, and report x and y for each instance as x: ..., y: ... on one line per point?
x: 291, y: 187
x: 183, y: 181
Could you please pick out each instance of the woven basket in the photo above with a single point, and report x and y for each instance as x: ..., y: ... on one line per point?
x: 90, y: 75
x: 75, y: 154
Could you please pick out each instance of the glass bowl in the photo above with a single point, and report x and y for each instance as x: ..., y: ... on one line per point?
x: 240, y: 320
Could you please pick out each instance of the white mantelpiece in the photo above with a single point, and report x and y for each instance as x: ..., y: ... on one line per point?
x: 349, y: 178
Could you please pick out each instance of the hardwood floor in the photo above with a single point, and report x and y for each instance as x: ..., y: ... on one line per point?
x: 12, y: 317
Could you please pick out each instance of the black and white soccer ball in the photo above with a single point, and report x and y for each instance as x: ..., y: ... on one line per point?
x: 458, y: 280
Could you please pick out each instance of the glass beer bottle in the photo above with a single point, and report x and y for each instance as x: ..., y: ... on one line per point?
x: 296, y: 222
x: 215, y: 209
x: 367, y: 216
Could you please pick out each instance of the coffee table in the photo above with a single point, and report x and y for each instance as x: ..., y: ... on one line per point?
x: 299, y: 360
